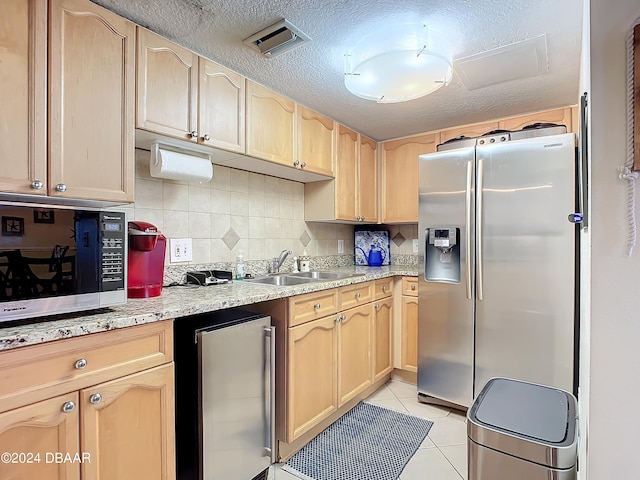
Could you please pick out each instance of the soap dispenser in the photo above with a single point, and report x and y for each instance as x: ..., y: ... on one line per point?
x: 239, y: 267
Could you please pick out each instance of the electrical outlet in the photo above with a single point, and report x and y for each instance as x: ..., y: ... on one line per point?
x: 340, y: 246
x: 415, y: 245
x: 181, y: 249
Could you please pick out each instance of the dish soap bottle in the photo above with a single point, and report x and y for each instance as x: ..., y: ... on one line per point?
x: 239, y: 267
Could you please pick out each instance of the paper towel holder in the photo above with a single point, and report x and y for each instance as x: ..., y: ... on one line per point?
x: 156, y: 147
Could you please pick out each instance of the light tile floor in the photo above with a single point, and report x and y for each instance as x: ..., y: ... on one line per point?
x: 442, y: 455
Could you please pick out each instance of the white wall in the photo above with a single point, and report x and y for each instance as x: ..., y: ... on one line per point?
x: 614, y: 417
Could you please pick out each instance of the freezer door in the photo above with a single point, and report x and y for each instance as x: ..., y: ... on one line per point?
x: 445, y: 322
x: 525, y: 261
x: 235, y: 400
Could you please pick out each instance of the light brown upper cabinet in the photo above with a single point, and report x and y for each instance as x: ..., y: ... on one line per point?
x: 221, y: 114
x: 346, y: 174
x: 23, y: 69
x: 91, y: 102
x: 474, y: 130
x: 353, y: 195
x: 167, y: 85
x: 316, y: 142
x: 400, y: 176
x: 89, y: 152
x: 367, y: 181
x: 271, y: 125
x: 188, y: 97
x: 561, y: 116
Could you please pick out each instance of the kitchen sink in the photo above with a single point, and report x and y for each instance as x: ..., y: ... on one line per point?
x: 318, y: 275
x: 300, y: 278
x: 280, y: 280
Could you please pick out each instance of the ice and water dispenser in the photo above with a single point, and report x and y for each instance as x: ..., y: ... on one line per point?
x: 442, y: 255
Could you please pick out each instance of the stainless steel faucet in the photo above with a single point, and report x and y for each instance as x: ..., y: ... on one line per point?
x: 277, y: 262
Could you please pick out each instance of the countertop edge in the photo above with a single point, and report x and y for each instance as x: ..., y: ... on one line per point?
x: 174, y: 303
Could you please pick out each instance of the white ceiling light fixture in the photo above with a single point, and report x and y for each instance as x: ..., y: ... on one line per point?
x: 278, y: 38
x: 398, y: 63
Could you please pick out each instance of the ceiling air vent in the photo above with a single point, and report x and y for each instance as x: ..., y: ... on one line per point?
x: 276, y: 39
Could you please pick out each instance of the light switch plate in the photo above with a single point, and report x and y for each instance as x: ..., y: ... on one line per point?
x: 415, y: 245
x: 340, y: 246
x: 181, y: 249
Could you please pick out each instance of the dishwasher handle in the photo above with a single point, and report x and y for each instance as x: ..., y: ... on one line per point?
x: 270, y: 450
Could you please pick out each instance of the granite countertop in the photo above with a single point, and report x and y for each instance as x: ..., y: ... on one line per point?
x: 174, y: 303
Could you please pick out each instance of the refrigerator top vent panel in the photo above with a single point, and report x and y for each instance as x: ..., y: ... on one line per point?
x: 543, y: 130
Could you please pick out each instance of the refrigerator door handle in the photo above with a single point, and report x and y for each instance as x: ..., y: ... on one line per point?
x: 468, y: 225
x: 270, y: 450
x: 479, y: 188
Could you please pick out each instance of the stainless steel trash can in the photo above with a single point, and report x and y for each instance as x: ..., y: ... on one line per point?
x: 518, y: 430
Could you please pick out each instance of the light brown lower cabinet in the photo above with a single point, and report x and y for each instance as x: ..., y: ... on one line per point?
x: 383, y: 338
x: 355, y: 351
x: 326, y: 362
x: 409, y: 354
x: 120, y: 427
x: 312, y: 375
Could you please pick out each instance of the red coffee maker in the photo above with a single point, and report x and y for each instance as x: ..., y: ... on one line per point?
x: 146, y: 260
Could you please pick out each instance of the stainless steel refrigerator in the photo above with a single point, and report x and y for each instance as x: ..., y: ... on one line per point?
x: 497, y: 270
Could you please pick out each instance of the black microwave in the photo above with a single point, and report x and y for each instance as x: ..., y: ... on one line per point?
x: 57, y: 260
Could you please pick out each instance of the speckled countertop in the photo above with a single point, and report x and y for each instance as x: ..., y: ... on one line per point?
x: 175, y: 302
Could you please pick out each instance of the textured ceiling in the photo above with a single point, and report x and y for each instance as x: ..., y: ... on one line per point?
x: 312, y: 74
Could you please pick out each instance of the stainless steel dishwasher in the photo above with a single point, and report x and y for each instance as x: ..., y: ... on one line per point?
x: 224, y: 363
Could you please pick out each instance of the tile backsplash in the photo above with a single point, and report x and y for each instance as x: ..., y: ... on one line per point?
x: 239, y: 212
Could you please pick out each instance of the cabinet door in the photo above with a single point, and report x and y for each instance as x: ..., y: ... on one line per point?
x: 316, y: 141
x: 346, y: 179
x: 368, y: 181
x: 312, y: 379
x: 42, y: 428
x: 561, y: 116
x: 474, y: 130
x: 409, y: 355
x: 23, y: 97
x: 400, y: 177
x: 127, y: 425
x: 167, y: 85
x: 382, y: 339
x: 221, y: 117
x: 355, y: 338
x: 91, y: 102
x: 270, y: 125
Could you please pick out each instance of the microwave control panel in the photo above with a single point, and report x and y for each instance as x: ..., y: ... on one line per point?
x: 113, y: 231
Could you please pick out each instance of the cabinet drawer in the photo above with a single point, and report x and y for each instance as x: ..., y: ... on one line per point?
x: 356, y: 294
x: 383, y: 288
x: 33, y: 373
x: 410, y: 286
x: 310, y: 306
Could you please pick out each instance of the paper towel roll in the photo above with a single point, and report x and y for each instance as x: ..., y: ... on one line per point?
x: 180, y: 166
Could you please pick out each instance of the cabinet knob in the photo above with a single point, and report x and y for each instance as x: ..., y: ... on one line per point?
x: 357, y: 294
x: 68, y: 407
x: 80, y: 364
x: 61, y: 187
x: 37, y: 184
x: 362, y: 219
x: 95, y: 399
x: 337, y: 319
x: 377, y: 305
x: 303, y: 164
x: 413, y: 287
x: 317, y: 306
x: 193, y: 134
x: 206, y: 137
x: 384, y: 288
x: 296, y: 163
